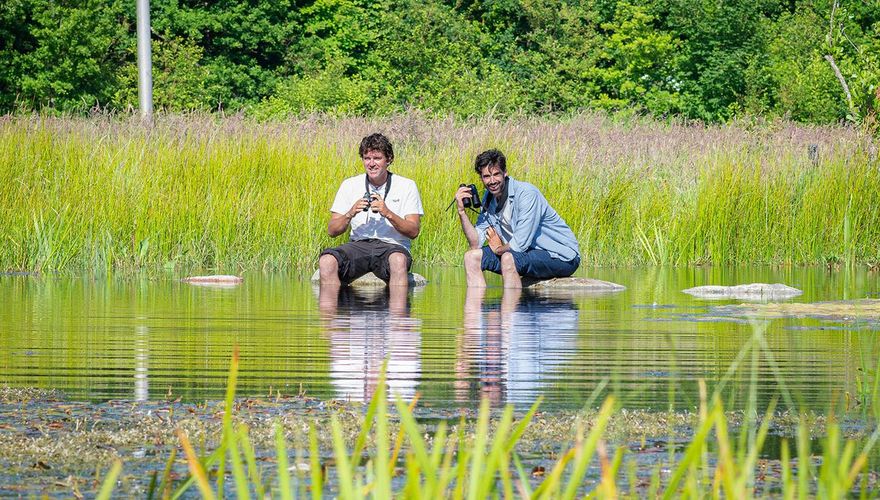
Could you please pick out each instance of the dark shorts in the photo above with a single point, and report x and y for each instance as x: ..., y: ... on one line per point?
x: 534, y: 263
x: 357, y: 258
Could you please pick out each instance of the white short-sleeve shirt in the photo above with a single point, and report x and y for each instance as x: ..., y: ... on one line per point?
x: 403, y: 199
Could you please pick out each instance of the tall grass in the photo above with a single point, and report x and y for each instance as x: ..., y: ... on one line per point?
x: 229, y: 194
x: 483, y: 462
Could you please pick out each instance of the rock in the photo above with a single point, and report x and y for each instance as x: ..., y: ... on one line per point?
x: 572, y: 285
x: 841, y: 310
x: 218, y: 280
x: 370, y: 280
x: 752, y: 291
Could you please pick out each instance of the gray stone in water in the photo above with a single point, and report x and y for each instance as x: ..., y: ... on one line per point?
x: 572, y: 285
x: 752, y: 291
x: 370, y: 280
x: 214, y: 281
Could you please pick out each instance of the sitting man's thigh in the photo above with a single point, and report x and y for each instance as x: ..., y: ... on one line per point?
x: 354, y: 259
x: 381, y: 263
x: 539, y: 264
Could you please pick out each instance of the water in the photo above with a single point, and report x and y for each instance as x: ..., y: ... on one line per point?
x: 151, y: 338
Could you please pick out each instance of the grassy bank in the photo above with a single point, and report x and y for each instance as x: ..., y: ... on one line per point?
x: 102, y: 193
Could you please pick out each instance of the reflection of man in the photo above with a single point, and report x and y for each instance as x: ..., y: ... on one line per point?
x: 366, y: 327
x: 524, y: 235
x: 384, y: 213
x: 513, y: 349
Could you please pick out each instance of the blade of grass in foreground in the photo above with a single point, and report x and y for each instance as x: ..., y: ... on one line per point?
x: 317, y: 475
x: 343, y: 465
x: 382, y: 470
x: 477, y: 453
x: 586, y: 449
x: 195, y: 468
x: 251, y: 460
x: 109, y: 481
x: 417, y: 444
x: 281, y: 455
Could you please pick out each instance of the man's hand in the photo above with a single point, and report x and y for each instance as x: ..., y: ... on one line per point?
x: 378, y: 206
x: 495, y: 243
x: 462, y: 194
x: 357, y: 208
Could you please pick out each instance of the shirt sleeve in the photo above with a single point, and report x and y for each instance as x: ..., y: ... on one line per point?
x: 412, y: 203
x: 343, y: 201
x: 528, y: 219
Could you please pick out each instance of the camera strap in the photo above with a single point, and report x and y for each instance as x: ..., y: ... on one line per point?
x: 387, y: 185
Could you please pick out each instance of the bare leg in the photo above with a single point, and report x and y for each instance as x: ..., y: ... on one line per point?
x: 328, y: 300
x: 473, y: 306
x: 509, y: 301
x: 397, y: 268
x: 397, y: 301
x: 329, y: 268
x: 472, y: 261
x: 509, y: 272
x: 469, y: 342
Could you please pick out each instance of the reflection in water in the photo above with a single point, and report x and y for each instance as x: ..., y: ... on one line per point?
x: 366, y: 326
x: 510, y: 350
x: 141, y: 363
x: 118, y: 338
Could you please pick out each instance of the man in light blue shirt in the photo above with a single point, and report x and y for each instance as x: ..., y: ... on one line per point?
x: 524, y: 236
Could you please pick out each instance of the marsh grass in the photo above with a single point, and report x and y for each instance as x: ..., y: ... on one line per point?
x: 481, y: 461
x: 230, y: 194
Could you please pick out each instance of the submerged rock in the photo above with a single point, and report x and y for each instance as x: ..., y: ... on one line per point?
x: 841, y: 310
x: 214, y: 280
x: 572, y: 284
x: 370, y: 280
x: 752, y: 291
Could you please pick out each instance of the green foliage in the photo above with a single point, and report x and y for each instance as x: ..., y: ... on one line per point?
x: 698, y: 59
x: 179, y: 77
x: 556, y: 57
x: 244, y: 45
x: 719, y: 40
x: 637, y: 62
x: 64, y: 54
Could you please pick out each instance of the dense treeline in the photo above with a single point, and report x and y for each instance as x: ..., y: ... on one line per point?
x: 808, y: 60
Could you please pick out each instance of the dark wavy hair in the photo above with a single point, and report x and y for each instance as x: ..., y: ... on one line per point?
x: 377, y: 142
x: 490, y: 158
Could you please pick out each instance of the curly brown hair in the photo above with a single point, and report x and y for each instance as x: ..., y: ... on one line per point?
x: 490, y: 158
x: 377, y: 142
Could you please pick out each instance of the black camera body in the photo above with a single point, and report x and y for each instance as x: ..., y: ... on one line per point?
x: 474, y: 200
x: 369, y: 200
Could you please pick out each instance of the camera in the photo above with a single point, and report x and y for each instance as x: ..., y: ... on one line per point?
x: 474, y: 200
x: 369, y: 200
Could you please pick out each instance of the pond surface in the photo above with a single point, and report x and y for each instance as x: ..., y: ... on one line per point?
x: 137, y: 338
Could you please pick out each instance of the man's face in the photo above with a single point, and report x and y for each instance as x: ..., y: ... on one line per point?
x: 376, y: 166
x: 493, y: 180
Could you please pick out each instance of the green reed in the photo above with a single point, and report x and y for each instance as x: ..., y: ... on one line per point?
x: 230, y: 194
x: 483, y: 462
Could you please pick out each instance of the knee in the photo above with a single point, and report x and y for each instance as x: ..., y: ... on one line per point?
x: 397, y: 262
x: 327, y: 262
x: 473, y: 257
x: 508, y: 263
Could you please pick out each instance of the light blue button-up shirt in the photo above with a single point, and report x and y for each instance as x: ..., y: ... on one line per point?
x: 534, y: 222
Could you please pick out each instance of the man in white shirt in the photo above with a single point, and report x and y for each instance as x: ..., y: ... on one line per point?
x: 384, y: 211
